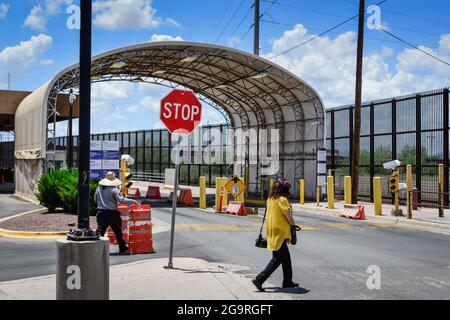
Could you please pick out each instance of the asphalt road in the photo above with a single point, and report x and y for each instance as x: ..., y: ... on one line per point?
x: 11, y: 205
x: 330, y: 261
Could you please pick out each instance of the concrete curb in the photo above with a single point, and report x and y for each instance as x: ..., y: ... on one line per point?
x: 411, y: 224
x: 30, y: 234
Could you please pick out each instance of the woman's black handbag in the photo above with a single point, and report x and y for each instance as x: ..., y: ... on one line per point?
x: 294, y: 230
x: 260, y: 241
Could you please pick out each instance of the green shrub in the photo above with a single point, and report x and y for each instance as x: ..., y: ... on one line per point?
x: 48, y: 194
x: 59, y: 189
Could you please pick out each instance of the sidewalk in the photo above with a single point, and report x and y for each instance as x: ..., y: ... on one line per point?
x: 192, y: 279
x: 424, y: 218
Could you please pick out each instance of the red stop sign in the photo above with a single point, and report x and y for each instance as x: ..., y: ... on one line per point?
x: 180, y: 111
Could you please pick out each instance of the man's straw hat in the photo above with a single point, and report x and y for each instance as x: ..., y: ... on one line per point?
x: 110, y: 180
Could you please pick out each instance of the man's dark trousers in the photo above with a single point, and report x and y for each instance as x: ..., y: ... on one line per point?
x: 282, y: 257
x: 106, y: 218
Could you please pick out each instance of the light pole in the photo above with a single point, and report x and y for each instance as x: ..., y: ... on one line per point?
x: 72, y: 98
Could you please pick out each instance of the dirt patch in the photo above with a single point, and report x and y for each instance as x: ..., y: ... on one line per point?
x: 45, y: 222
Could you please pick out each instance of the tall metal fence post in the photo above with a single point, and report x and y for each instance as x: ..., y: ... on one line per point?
x: 441, y: 191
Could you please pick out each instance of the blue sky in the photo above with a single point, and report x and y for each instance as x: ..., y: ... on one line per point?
x: 35, y: 44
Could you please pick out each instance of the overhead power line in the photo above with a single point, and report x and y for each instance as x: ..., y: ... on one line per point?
x: 412, y: 46
x: 260, y: 17
x: 238, y: 26
x: 229, y: 21
x: 221, y: 19
x: 319, y: 35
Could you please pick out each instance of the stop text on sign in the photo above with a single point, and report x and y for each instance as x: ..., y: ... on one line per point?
x: 177, y: 110
x: 180, y: 111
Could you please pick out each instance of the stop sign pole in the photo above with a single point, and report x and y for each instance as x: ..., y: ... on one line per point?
x: 180, y: 113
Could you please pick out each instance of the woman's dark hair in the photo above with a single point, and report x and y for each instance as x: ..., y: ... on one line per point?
x: 280, y: 188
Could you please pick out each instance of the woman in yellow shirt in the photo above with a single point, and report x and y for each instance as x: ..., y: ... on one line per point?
x: 278, y: 228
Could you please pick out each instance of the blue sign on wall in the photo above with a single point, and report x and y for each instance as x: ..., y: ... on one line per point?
x: 104, y: 156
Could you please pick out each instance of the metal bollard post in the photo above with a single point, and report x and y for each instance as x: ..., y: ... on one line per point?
x: 202, y: 182
x: 441, y: 191
x: 377, y: 197
x: 225, y: 192
x: 415, y: 199
x: 302, y: 191
x: 218, y: 195
x: 409, y: 190
x: 318, y: 196
x: 330, y: 192
x: 348, y: 190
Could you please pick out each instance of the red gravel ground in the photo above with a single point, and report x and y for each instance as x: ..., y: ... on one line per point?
x: 44, y: 222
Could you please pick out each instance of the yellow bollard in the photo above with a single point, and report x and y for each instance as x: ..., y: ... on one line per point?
x: 441, y: 190
x: 377, y: 198
x: 241, y: 197
x: 270, y: 185
x: 409, y: 190
x: 330, y: 192
x: 218, y: 192
x: 225, y: 192
x: 202, y: 186
x: 302, y: 191
x: 348, y: 190
x: 318, y: 196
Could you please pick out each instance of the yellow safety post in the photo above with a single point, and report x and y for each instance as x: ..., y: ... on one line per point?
x: 202, y: 181
x: 348, y: 190
x: 270, y: 186
x: 318, y: 196
x: 225, y: 192
x: 409, y: 190
x: 377, y: 197
x: 217, y: 205
x: 441, y: 190
x: 330, y: 192
x: 241, y: 197
x: 302, y: 191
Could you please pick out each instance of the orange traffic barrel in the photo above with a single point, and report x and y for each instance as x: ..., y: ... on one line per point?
x: 140, y: 230
x: 124, y: 215
x: 111, y: 236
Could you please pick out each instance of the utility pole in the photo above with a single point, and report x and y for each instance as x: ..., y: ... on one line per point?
x: 256, y: 29
x: 357, y: 112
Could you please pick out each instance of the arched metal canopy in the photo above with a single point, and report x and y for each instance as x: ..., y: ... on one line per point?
x: 249, y: 91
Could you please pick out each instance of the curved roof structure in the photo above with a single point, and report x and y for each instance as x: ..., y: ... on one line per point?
x: 249, y: 91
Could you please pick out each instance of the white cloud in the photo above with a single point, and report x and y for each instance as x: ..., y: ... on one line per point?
x: 329, y: 66
x: 46, y: 62
x: 164, y: 37
x: 54, y: 6
x: 4, y: 8
x: 38, y: 16
x: 19, y: 59
x: 111, y: 91
x: 37, y: 19
x: 128, y: 15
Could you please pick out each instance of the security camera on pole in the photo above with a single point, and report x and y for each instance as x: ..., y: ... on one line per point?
x: 181, y: 114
